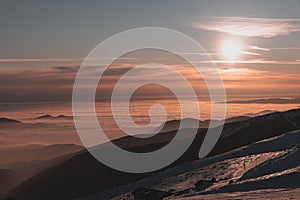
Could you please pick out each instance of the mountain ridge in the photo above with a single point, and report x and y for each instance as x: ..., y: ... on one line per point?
x: 95, y: 176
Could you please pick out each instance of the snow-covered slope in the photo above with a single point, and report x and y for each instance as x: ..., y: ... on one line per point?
x: 254, y: 171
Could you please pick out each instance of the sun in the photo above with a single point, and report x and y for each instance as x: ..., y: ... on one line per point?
x: 231, y: 49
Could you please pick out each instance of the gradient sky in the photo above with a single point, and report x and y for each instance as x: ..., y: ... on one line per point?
x: 44, y: 42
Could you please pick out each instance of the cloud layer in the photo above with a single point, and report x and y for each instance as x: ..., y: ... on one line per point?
x: 250, y: 27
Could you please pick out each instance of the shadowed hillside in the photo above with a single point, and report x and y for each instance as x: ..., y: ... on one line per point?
x: 82, y: 175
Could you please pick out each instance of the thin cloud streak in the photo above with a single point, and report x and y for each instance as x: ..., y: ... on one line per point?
x: 286, y: 48
x: 251, y: 53
x: 259, y: 48
x: 17, y: 60
x: 256, y: 61
x: 250, y: 27
x: 23, y: 60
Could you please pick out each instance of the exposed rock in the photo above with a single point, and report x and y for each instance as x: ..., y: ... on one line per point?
x: 203, y: 184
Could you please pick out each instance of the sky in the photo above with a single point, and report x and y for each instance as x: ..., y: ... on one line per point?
x: 44, y: 42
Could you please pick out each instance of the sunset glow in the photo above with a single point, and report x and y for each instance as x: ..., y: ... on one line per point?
x: 150, y: 100
x: 231, y: 49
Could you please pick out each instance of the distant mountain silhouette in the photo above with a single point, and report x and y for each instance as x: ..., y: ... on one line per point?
x: 264, y: 112
x: 7, y: 120
x: 47, y: 116
x: 83, y: 175
x: 194, y: 123
x: 268, y: 101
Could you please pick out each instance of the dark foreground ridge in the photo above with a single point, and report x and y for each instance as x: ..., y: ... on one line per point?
x: 82, y: 175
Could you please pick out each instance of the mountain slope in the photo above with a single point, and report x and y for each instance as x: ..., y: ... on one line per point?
x: 83, y: 175
x: 32, y: 160
x: 251, y: 169
x: 7, y: 179
x: 29, y: 153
